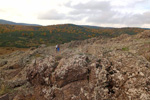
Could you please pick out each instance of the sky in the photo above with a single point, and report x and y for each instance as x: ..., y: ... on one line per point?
x: 105, y: 13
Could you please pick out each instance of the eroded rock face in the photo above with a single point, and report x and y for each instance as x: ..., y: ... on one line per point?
x: 115, y: 76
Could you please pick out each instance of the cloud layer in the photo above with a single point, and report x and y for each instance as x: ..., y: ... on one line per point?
x: 115, y: 13
x: 125, y: 13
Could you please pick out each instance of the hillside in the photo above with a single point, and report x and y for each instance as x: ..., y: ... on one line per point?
x: 14, y: 23
x: 32, y: 36
x: 99, y: 68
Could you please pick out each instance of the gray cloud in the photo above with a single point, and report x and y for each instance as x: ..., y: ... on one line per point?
x: 94, y: 5
x: 103, y: 12
x: 52, y: 15
x: 138, y: 19
x: 95, y: 11
x: 91, y: 6
x: 103, y: 17
x: 55, y: 15
x: 127, y: 19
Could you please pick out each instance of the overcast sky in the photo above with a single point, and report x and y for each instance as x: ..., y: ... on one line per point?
x: 107, y: 13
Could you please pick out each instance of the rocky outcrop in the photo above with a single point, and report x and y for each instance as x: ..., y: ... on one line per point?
x: 93, y: 69
x: 116, y: 75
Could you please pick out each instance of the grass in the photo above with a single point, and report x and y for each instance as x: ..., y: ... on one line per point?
x: 8, y: 50
x: 4, y: 89
x: 37, y: 55
x: 125, y: 49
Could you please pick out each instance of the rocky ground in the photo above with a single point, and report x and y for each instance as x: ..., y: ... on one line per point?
x: 93, y: 69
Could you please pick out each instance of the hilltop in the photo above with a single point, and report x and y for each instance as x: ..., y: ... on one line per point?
x: 112, y: 68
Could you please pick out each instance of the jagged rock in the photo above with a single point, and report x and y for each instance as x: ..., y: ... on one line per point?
x: 2, y: 63
x: 112, y: 77
x: 72, y: 70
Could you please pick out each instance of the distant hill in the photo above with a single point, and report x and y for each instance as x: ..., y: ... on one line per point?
x: 23, y: 36
x: 96, y: 27
x: 14, y: 23
x: 146, y: 28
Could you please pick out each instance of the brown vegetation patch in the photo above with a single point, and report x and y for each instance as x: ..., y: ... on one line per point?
x: 8, y: 50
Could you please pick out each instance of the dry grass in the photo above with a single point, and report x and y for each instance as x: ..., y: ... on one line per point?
x: 37, y: 55
x: 3, y: 89
x: 8, y: 50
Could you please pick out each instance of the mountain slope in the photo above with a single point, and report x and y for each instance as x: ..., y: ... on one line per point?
x: 14, y: 23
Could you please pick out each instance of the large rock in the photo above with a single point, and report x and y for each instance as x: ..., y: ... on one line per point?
x: 117, y: 75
